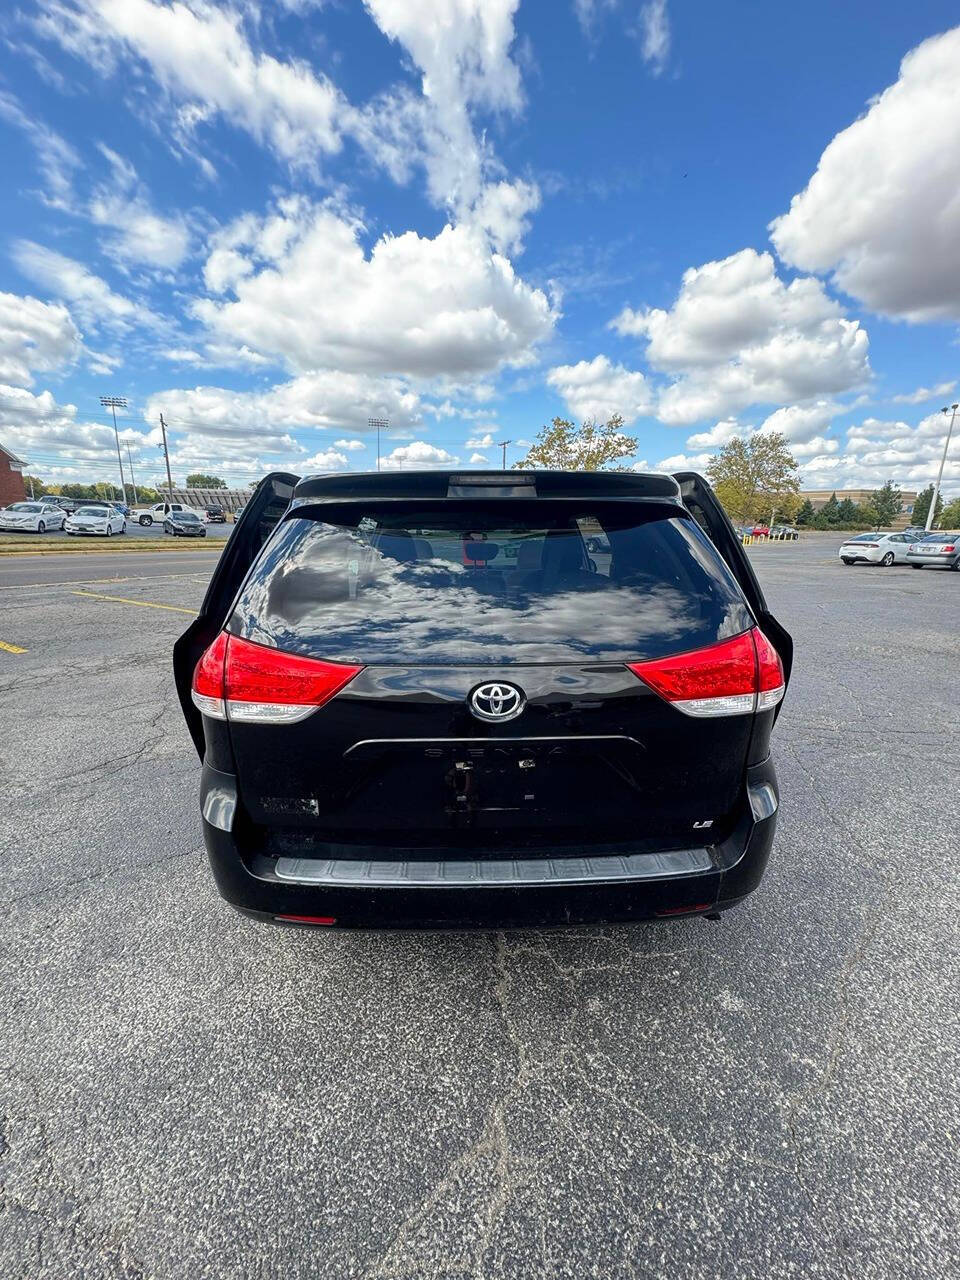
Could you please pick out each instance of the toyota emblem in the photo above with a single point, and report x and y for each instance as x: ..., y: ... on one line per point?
x: 496, y: 702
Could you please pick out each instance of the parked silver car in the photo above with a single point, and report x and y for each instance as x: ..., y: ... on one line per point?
x: 942, y: 550
x: 876, y: 548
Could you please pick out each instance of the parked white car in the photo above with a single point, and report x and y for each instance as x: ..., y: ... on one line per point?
x: 155, y: 514
x: 876, y: 548
x: 35, y: 517
x: 102, y: 520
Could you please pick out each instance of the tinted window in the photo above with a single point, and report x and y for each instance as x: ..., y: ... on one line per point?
x: 467, y: 583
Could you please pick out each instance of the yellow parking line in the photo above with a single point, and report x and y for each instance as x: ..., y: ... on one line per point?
x: 11, y: 648
x: 143, y: 604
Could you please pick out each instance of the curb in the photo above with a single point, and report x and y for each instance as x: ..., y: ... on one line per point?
x: 96, y: 549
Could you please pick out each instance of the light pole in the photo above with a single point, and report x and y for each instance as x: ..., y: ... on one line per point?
x: 946, y: 445
x: 113, y: 403
x: 133, y: 478
x: 502, y: 444
x: 380, y: 424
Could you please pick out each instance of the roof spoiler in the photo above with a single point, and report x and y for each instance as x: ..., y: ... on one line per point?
x: 486, y: 484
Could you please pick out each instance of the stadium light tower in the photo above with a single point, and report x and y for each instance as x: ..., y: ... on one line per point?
x: 113, y: 403
x: 381, y: 424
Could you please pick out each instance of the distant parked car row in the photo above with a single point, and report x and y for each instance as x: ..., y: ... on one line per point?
x: 75, y: 516
x: 913, y: 547
x: 775, y: 533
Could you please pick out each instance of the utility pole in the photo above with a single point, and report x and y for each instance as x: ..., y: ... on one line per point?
x: 133, y: 479
x: 166, y: 454
x: 502, y: 444
x: 936, y: 488
x: 113, y: 403
x: 381, y: 424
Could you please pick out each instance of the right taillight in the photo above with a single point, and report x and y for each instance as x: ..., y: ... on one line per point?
x: 770, y: 682
x: 240, y: 681
x: 734, y: 677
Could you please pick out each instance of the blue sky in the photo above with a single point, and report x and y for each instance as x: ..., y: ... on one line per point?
x: 273, y: 221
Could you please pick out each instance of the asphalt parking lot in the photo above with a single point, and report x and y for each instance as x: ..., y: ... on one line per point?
x: 187, y: 1093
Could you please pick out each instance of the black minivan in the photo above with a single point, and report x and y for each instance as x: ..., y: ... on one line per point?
x: 442, y: 699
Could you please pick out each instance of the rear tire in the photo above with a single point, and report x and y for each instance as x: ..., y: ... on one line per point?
x: 916, y: 566
x: 846, y: 560
x: 887, y: 560
x: 146, y: 520
x: 41, y: 527
x: 123, y: 527
x: 109, y: 531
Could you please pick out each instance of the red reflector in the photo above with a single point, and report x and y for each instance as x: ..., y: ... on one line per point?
x: 307, y: 919
x: 769, y: 666
x: 948, y: 549
x: 208, y: 677
x: 718, y: 671
x: 685, y: 911
x: 256, y: 673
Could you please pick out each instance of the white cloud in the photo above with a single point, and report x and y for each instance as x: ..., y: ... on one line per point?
x: 309, y: 296
x: 326, y: 399
x: 881, y: 212
x: 351, y: 446
x: 326, y: 460
x: 478, y: 457
x: 42, y: 431
x: 93, y: 300
x: 410, y: 457
x: 463, y: 51
x: 801, y: 423
x: 35, y: 336
x: 503, y: 211
x: 923, y: 394
x: 201, y: 56
x: 738, y: 336
x: 683, y: 462
x: 598, y: 389
x: 655, y: 35
x: 878, y: 450
x: 57, y: 160
x: 719, y: 435
x: 485, y: 441
x: 141, y: 234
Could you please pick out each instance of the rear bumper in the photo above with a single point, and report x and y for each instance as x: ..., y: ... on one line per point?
x: 556, y: 887
x: 943, y: 562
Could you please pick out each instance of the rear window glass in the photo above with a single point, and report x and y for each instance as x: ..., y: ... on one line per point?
x: 453, y: 583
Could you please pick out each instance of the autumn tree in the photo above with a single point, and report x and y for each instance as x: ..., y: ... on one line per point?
x: 756, y: 477
x: 593, y: 446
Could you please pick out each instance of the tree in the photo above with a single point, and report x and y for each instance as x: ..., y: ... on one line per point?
x: 828, y: 515
x: 805, y: 514
x: 847, y: 512
x: 755, y: 478
x: 887, y: 503
x: 200, y: 480
x: 34, y: 485
x: 590, y: 447
x: 950, y: 516
x: 922, y: 506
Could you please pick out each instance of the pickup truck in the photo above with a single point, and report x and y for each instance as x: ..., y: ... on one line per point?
x: 157, y: 513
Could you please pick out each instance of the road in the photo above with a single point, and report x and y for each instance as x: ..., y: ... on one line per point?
x: 187, y: 1093
x: 47, y: 569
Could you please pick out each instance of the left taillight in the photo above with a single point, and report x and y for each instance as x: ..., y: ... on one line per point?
x: 735, y: 677
x: 240, y: 681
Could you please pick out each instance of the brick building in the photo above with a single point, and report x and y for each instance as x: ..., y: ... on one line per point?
x: 817, y: 497
x: 11, y: 478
